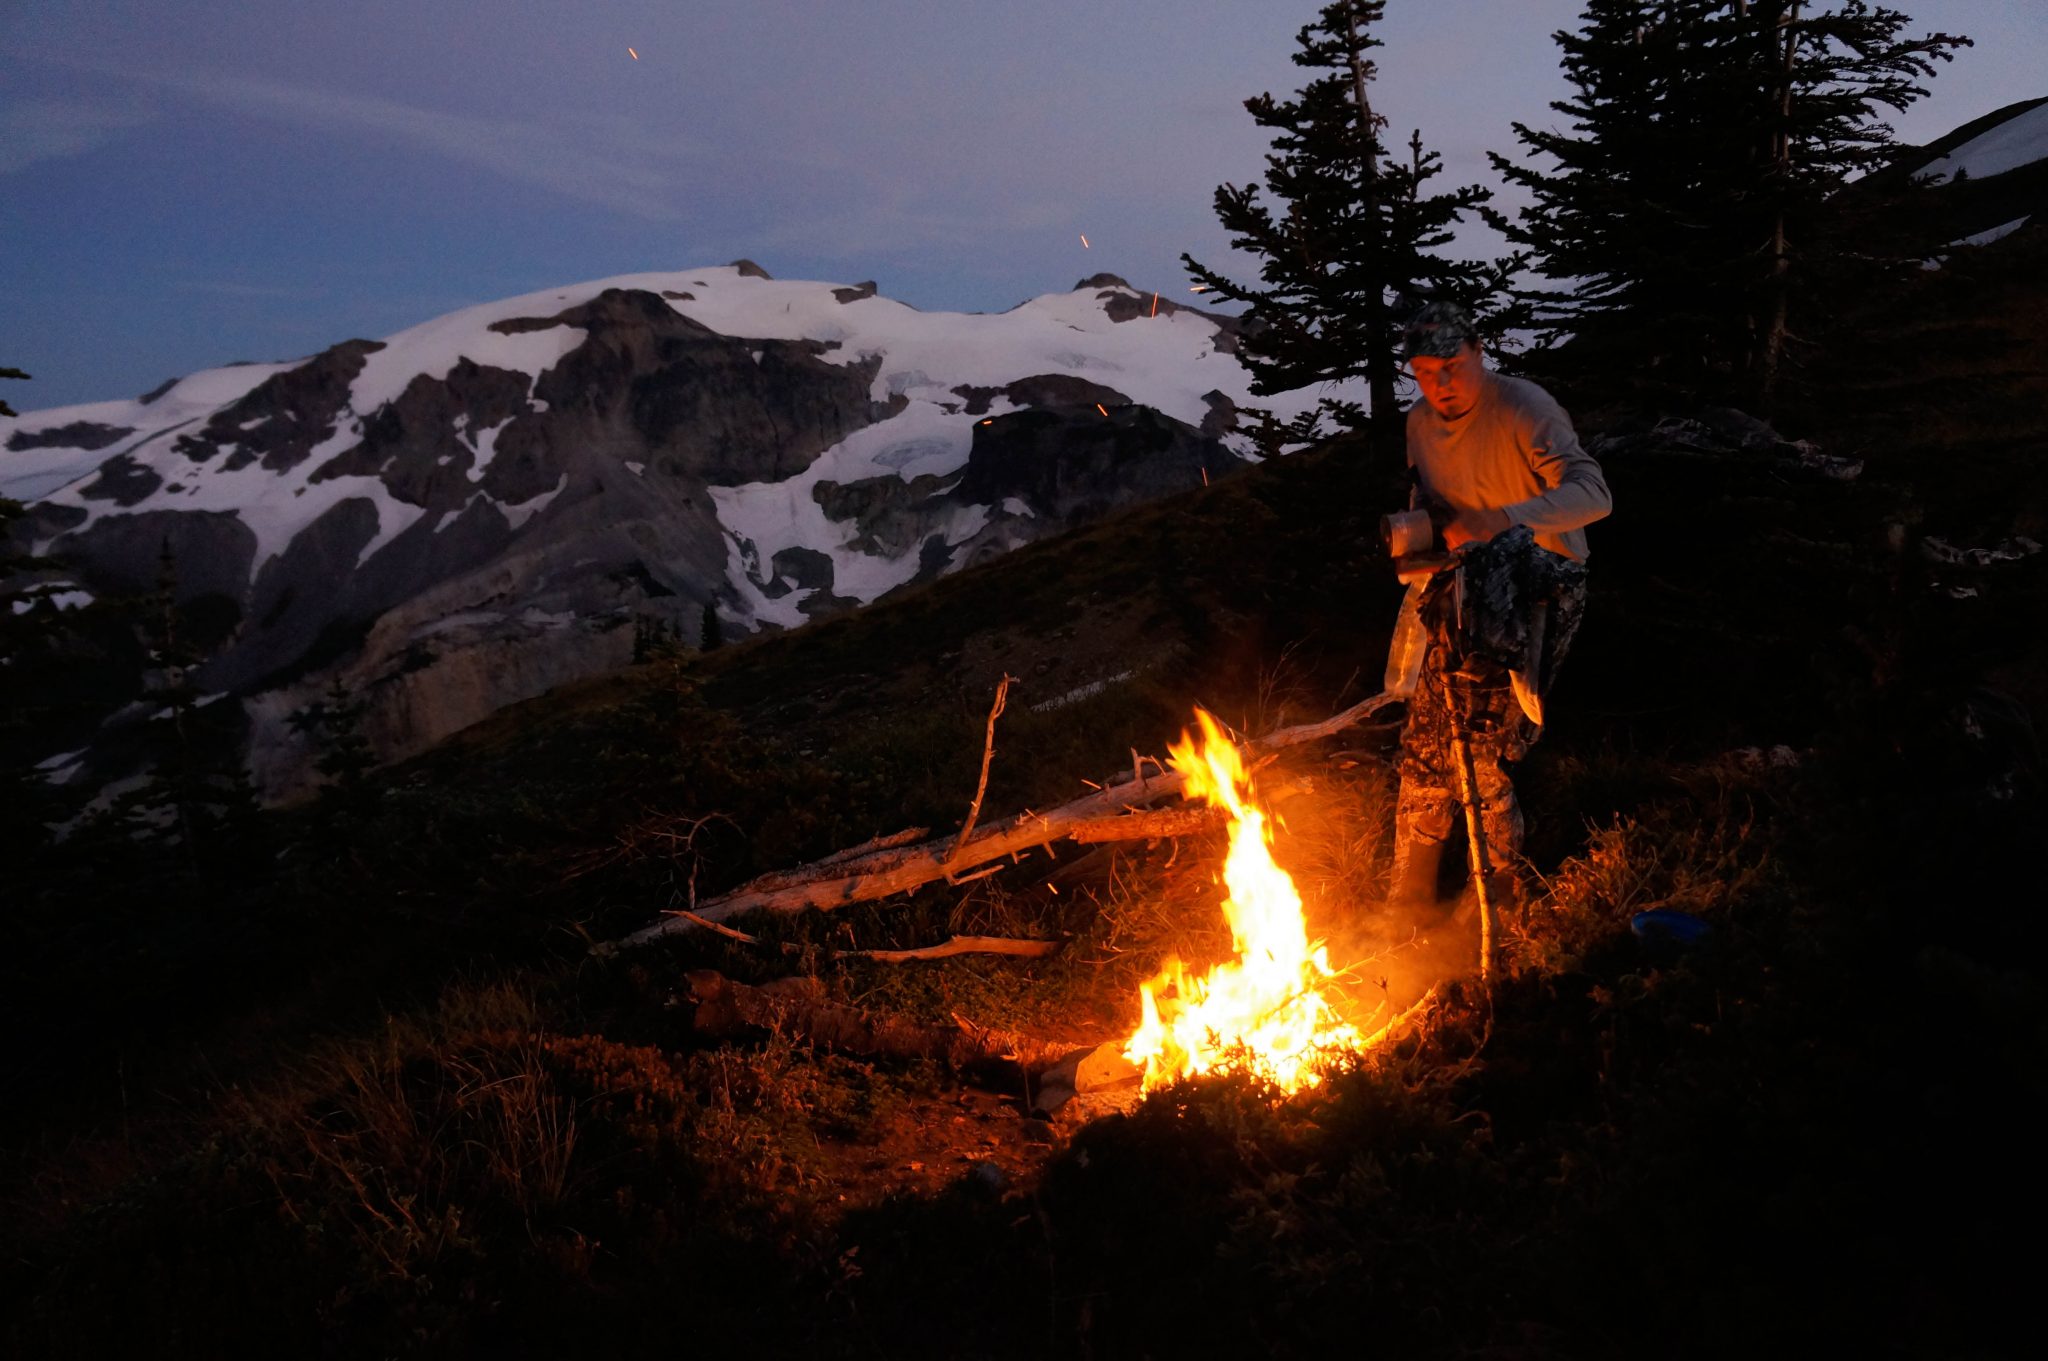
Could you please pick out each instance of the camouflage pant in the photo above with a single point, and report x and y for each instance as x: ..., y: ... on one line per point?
x: 1503, y: 582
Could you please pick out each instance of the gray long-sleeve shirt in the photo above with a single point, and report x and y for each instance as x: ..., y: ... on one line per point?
x: 1515, y: 451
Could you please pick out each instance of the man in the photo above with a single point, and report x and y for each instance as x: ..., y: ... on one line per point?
x: 1496, y: 461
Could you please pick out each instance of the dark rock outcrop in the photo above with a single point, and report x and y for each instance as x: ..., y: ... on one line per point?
x: 211, y: 551
x: 1221, y: 417
x: 1041, y: 389
x: 726, y: 410
x: 1070, y: 465
x: 123, y: 481
x: 77, y: 435
x: 864, y: 289
x: 413, y: 443
x: 291, y: 604
x: 286, y: 415
x: 892, y: 515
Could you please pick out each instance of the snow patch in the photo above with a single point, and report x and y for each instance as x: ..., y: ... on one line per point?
x: 532, y: 506
x: 1985, y: 238
x: 69, y: 597
x: 485, y: 442
x: 2015, y: 142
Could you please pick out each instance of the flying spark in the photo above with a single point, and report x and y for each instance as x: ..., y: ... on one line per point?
x: 1199, y: 288
x: 1084, y: 242
x: 1155, y: 304
x: 1099, y: 407
x: 633, y: 54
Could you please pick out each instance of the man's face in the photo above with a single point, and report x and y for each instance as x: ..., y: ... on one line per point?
x: 1450, y: 386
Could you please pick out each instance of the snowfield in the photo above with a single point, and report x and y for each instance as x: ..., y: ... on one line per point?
x: 2017, y: 141
x: 1167, y: 361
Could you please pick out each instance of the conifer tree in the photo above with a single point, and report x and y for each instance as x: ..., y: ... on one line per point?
x: 29, y: 624
x: 1691, y: 207
x: 345, y: 756
x: 6, y: 410
x: 710, y: 634
x: 1350, y: 240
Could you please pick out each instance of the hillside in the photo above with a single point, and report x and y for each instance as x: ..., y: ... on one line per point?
x: 353, y: 1081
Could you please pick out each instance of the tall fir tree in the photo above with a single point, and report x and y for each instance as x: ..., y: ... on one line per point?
x: 1352, y: 237
x: 1690, y: 211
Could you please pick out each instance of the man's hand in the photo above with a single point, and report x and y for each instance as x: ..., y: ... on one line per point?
x: 1476, y: 526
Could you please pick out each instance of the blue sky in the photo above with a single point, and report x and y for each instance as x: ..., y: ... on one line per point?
x: 188, y: 184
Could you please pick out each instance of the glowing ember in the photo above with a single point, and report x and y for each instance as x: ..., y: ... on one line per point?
x: 1084, y: 242
x: 1265, y: 1011
x: 635, y: 55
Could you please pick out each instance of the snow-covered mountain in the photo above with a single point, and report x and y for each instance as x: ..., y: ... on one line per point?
x: 479, y: 508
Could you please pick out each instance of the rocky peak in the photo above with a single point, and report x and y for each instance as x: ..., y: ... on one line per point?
x: 286, y: 415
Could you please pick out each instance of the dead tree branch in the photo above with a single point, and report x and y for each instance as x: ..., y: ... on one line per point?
x: 844, y: 879
x: 988, y: 752
x: 956, y: 945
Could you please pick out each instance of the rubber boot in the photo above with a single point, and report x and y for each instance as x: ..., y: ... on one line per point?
x: 1413, y: 881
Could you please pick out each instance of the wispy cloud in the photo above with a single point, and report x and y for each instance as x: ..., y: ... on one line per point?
x: 230, y: 288
x: 857, y: 229
x: 49, y: 129
x: 611, y: 161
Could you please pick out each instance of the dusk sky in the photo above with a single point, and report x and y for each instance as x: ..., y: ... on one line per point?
x: 184, y: 185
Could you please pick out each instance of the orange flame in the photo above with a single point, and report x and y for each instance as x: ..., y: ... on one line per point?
x: 1265, y: 1011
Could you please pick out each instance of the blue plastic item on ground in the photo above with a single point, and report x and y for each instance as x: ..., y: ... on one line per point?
x: 1663, y: 925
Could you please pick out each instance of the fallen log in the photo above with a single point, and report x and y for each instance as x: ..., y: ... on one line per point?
x: 947, y: 949
x: 798, y: 1006
x: 842, y: 879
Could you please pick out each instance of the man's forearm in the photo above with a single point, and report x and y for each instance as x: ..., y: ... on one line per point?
x: 1572, y: 504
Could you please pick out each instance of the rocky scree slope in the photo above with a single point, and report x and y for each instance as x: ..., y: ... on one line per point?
x: 479, y: 508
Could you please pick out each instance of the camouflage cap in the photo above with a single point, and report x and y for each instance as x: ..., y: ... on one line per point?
x: 1439, y: 330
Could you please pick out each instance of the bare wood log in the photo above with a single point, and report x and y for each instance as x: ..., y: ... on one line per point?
x: 880, y: 843
x: 1283, y: 738
x: 900, y: 868
x: 955, y: 945
x: 1146, y: 826
x: 798, y: 1006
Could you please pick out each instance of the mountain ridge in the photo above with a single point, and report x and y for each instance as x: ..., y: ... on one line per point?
x: 528, y: 476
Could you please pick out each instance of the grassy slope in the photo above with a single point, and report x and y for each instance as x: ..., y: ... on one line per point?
x: 407, y: 1112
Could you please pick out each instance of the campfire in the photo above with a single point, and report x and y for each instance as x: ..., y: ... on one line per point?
x: 1269, y: 1010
